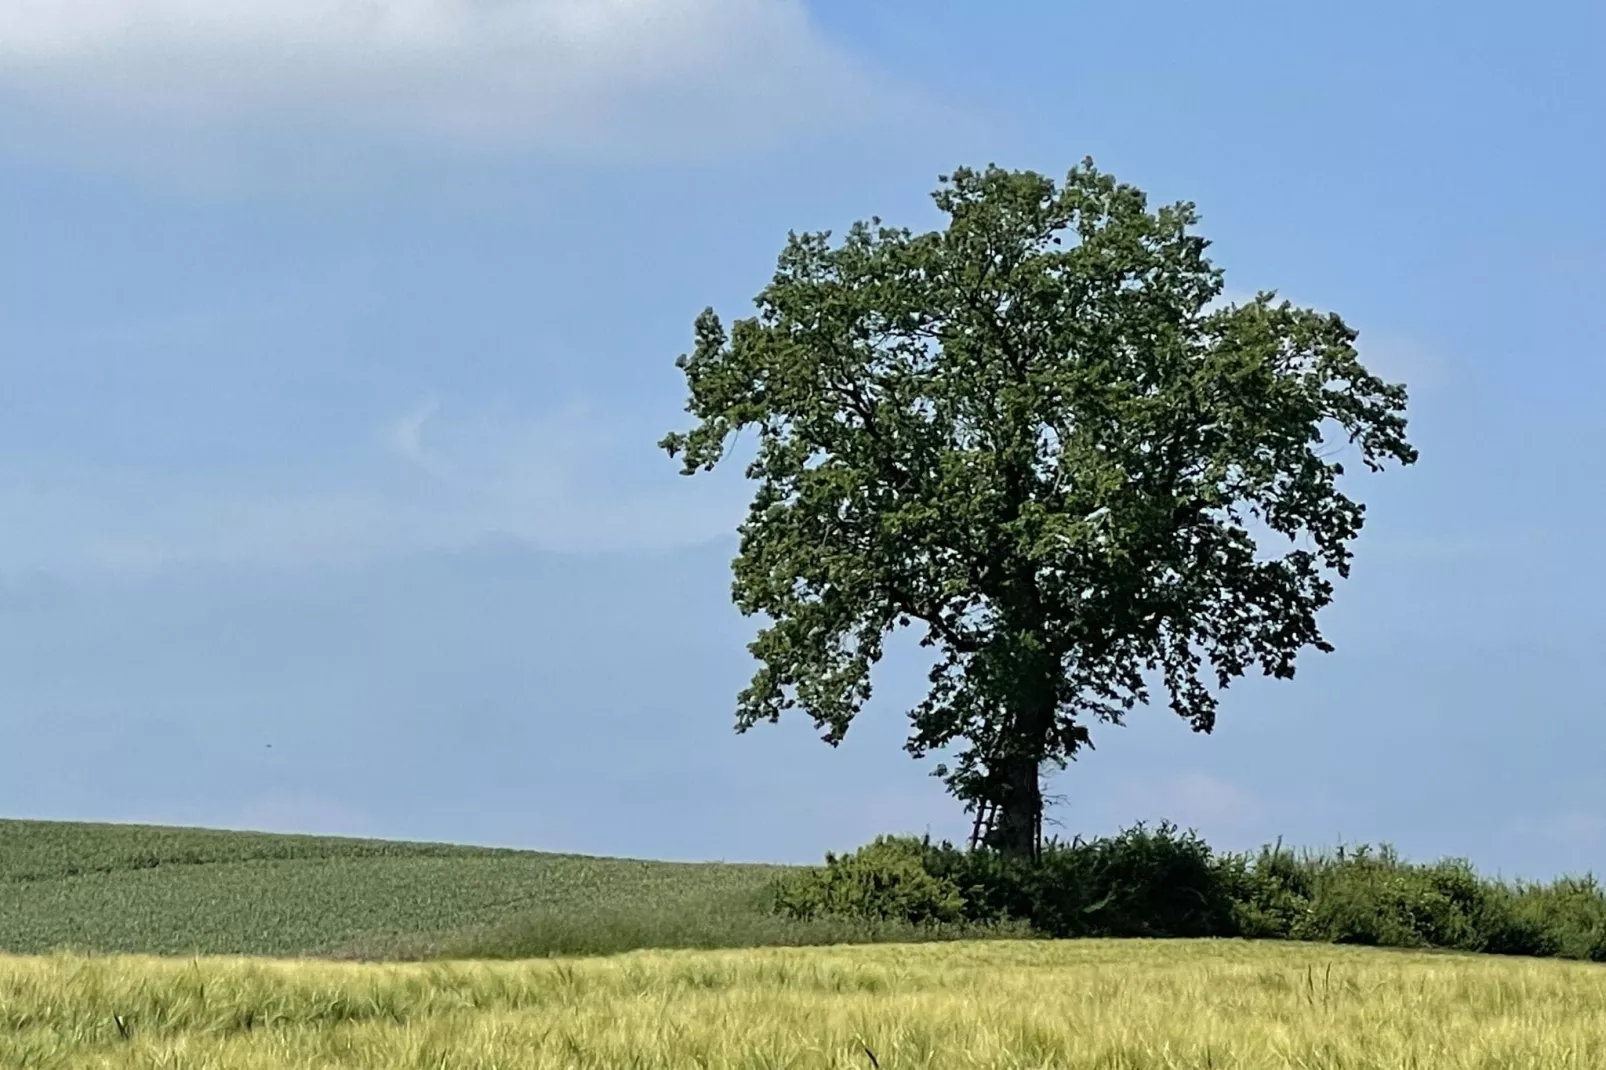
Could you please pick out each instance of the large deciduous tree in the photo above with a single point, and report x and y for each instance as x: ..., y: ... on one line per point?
x: 1038, y: 435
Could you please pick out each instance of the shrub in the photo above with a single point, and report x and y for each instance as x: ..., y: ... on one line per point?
x: 1162, y: 884
x: 886, y: 881
x: 1137, y: 883
x: 1270, y: 895
x: 1376, y: 900
x: 1507, y: 930
x: 1381, y: 906
x: 994, y: 887
x: 1364, y: 898
x: 1571, y: 913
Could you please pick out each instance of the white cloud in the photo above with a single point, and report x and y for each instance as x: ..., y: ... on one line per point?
x: 447, y: 477
x: 406, y: 436
x: 567, y: 478
x: 569, y: 73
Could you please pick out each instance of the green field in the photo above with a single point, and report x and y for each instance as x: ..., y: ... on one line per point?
x: 1113, y: 1005
x: 218, y: 951
x: 148, y: 890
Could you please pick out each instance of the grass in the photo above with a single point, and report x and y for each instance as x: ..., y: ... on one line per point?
x: 141, y: 889
x: 132, y: 894
x: 1127, y: 1005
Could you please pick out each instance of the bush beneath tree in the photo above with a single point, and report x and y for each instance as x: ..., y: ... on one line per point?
x: 1161, y: 883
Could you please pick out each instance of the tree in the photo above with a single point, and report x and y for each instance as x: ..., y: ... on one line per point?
x: 1037, y: 435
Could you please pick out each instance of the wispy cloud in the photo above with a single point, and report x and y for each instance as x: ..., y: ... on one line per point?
x: 586, y: 74
x: 445, y: 477
x: 406, y: 436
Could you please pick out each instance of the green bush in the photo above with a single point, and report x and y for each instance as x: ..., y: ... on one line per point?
x: 886, y: 881
x: 1137, y: 883
x: 1378, y: 902
x: 1270, y: 895
x: 995, y: 889
x: 1507, y: 930
x: 1360, y: 897
x: 1165, y: 884
x: 1571, y: 912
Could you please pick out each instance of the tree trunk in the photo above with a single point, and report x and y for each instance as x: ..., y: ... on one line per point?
x: 1017, y: 767
x: 1020, y: 808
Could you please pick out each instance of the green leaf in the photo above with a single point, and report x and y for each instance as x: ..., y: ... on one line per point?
x: 1035, y: 437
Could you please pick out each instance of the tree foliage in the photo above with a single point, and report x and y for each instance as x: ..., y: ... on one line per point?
x: 1038, y: 436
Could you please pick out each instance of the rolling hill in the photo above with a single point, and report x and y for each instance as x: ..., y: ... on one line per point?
x: 156, y: 890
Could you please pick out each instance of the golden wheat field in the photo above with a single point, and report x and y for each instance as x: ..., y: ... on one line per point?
x: 1132, y: 1005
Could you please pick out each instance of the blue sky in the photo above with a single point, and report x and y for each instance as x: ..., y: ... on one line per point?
x: 335, y: 342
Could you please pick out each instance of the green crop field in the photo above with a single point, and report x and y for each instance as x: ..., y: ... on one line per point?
x: 1128, y: 1005
x: 218, y: 951
x: 115, y: 888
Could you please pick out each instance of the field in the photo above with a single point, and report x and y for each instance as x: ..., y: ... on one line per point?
x: 174, y: 929
x: 149, y: 890
x: 1130, y: 1005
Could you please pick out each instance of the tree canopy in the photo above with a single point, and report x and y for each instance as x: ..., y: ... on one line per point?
x: 1039, y: 436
